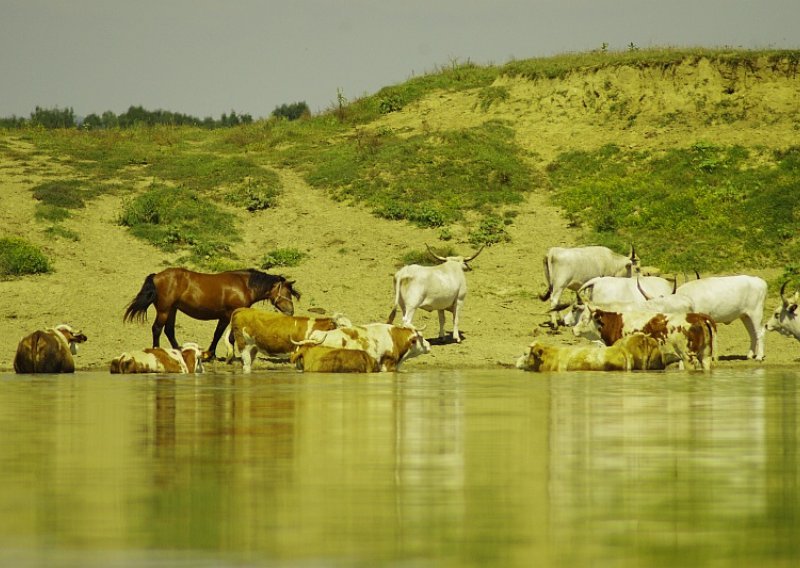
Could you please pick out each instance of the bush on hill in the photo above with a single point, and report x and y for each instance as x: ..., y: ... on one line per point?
x: 19, y: 257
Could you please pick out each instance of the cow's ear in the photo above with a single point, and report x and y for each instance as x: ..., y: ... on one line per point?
x: 792, y: 309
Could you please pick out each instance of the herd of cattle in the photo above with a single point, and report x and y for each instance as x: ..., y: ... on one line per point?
x: 635, y: 319
x: 616, y: 299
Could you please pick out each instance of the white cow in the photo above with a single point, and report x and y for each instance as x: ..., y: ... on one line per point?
x: 623, y: 294
x: 671, y: 303
x: 442, y: 288
x: 784, y: 319
x: 571, y: 268
x: 728, y: 298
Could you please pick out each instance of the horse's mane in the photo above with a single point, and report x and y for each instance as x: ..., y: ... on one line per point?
x: 262, y: 283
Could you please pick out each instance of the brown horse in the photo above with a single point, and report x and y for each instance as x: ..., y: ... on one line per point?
x: 205, y: 297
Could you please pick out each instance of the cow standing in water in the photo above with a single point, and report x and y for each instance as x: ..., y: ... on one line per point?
x: 442, y: 288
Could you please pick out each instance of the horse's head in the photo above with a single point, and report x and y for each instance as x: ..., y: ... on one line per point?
x: 280, y: 295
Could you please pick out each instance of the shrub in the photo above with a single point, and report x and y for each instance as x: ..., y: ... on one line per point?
x: 254, y: 195
x: 19, y: 257
x: 491, y: 230
x: 282, y: 257
x: 292, y: 111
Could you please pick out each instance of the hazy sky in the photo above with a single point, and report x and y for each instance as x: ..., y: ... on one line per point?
x: 206, y: 57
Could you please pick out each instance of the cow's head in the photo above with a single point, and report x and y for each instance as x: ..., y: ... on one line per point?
x: 631, y: 265
x: 461, y: 260
x: 784, y: 319
x: 72, y: 336
x: 192, y: 356
x: 532, y: 359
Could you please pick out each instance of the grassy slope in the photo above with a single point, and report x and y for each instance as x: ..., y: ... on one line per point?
x: 553, y: 123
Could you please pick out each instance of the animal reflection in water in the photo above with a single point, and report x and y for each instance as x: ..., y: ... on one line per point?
x: 206, y: 297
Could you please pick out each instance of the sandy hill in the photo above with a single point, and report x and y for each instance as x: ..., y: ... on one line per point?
x: 352, y: 254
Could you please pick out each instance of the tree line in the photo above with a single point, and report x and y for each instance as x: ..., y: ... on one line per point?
x: 52, y: 118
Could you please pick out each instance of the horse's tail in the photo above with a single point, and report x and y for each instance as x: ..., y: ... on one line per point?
x: 137, y: 309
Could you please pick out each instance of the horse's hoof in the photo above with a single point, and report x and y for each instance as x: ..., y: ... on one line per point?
x: 208, y: 356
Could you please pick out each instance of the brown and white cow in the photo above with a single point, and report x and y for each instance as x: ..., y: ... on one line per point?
x: 690, y: 338
x: 272, y: 333
x: 320, y: 359
x: 187, y: 359
x: 633, y: 352
x: 48, y: 351
x: 390, y: 345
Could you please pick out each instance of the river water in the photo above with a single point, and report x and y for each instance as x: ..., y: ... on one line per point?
x: 451, y: 468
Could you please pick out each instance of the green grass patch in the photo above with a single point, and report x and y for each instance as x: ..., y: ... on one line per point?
x: 178, y: 219
x: 19, y: 257
x: 704, y: 207
x: 51, y: 213
x: 285, y: 257
x: 174, y: 154
x: 59, y: 232
x: 428, y: 179
x: 560, y: 66
x: 66, y: 194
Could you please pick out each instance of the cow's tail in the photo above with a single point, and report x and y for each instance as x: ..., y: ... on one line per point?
x: 230, y: 342
x: 711, y: 326
x: 546, y: 294
x: 137, y: 309
x: 397, y: 283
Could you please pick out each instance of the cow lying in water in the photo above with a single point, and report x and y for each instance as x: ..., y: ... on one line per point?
x: 388, y: 344
x: 633, y: 352
x: 48, y: 351
x: 320, y: 359
x: 187, y: 359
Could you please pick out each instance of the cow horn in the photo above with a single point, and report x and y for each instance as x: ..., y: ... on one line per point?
x: 675, y: 284
x: 434, y: 255
x: 474, y: 255
x: 783, y: 298
x: 697, y: 274
x: 639, y: 286
x: 307, y: 342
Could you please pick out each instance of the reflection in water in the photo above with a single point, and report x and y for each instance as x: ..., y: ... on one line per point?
x: 444, y: 468
x: 675, y: 469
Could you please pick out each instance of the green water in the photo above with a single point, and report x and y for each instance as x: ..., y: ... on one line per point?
x: 469, y: 468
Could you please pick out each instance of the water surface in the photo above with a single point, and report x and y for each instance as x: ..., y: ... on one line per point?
x: 471, y: 468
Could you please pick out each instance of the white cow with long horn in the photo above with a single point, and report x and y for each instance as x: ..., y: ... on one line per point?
x: 785, y: 319
x: 442, y: 288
